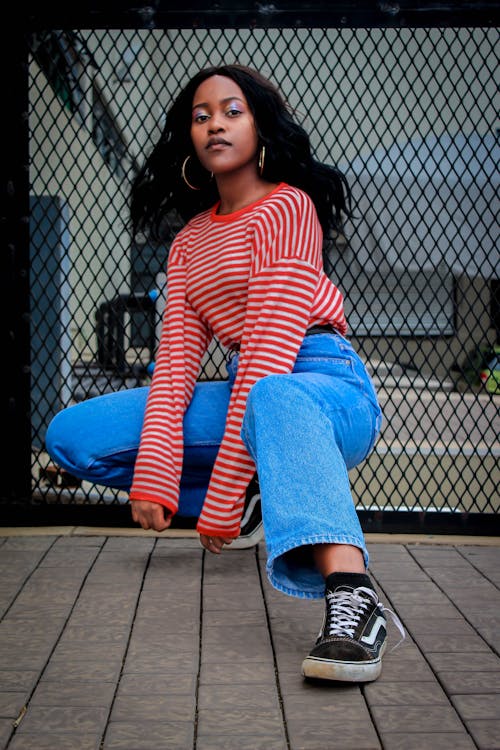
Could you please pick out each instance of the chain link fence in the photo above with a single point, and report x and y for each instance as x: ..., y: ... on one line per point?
x: 410, y: 114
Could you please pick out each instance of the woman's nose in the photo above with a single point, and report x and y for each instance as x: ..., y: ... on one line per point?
x: 215, y: 125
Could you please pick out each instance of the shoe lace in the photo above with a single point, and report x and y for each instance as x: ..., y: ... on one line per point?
x: 345, y: 609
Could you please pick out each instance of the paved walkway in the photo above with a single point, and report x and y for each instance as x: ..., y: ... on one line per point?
x: 147, y: 643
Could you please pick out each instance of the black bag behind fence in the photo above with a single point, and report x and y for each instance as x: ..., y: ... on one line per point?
x: 405, y: 104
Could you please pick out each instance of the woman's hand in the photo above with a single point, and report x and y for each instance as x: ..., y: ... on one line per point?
x: 150, y: 515
x: 214, y: 543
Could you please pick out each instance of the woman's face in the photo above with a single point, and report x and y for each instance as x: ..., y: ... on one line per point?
x: 222, y: 127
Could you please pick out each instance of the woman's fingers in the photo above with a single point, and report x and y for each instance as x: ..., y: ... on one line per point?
x: 150, y: 515
x: 210, y: 544
x: 214, y: 543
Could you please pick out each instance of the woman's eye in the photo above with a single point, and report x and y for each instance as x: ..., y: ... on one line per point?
x: 233, y: 112
x: 201, y: 117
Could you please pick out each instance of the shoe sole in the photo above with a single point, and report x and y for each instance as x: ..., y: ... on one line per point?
x: 341, y: 671
x: 250, y: 540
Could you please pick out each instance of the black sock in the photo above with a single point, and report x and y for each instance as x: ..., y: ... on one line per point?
x: 334, y: 580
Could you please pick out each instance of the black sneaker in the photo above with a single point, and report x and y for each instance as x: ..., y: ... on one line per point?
x: 252, y: 530
x: 353, y: 636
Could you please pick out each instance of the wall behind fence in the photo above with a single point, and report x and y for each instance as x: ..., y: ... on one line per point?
x: 411, y: 116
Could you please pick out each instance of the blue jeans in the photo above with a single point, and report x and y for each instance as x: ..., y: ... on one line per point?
x: 305, y: 430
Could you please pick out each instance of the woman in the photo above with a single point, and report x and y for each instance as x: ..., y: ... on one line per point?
x: 247, y: 267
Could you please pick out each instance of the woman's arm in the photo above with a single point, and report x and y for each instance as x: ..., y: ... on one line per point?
x: 285, y: 276
x: 184, y: 340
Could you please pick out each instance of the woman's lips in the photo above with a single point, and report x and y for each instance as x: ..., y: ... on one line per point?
x: 217, y: 145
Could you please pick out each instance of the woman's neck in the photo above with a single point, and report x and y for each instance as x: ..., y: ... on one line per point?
x: 238, y: 191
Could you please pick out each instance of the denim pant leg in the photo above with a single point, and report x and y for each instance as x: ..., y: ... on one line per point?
x: 97, y: 439
x: 304, y: 431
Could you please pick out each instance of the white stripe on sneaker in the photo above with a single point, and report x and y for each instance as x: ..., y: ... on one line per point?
x: 380, y: 622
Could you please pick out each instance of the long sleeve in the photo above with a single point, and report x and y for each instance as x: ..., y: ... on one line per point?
x: 285, y: 277
x: 184, y: 340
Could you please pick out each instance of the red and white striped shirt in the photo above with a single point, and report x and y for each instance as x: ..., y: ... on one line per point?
x: 253, y: 278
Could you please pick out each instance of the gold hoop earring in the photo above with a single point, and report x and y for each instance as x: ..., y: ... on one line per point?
x: 262, y: 157
x: 183, y: 173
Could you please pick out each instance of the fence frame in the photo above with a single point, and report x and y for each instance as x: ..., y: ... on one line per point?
x: 15, y: 495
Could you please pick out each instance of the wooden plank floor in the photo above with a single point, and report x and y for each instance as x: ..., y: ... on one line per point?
x: 144, y: 642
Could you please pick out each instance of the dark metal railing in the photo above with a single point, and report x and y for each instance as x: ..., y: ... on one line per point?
x: 402, y: 97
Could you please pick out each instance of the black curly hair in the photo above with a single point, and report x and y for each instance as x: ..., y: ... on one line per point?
x: 159, y: 188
